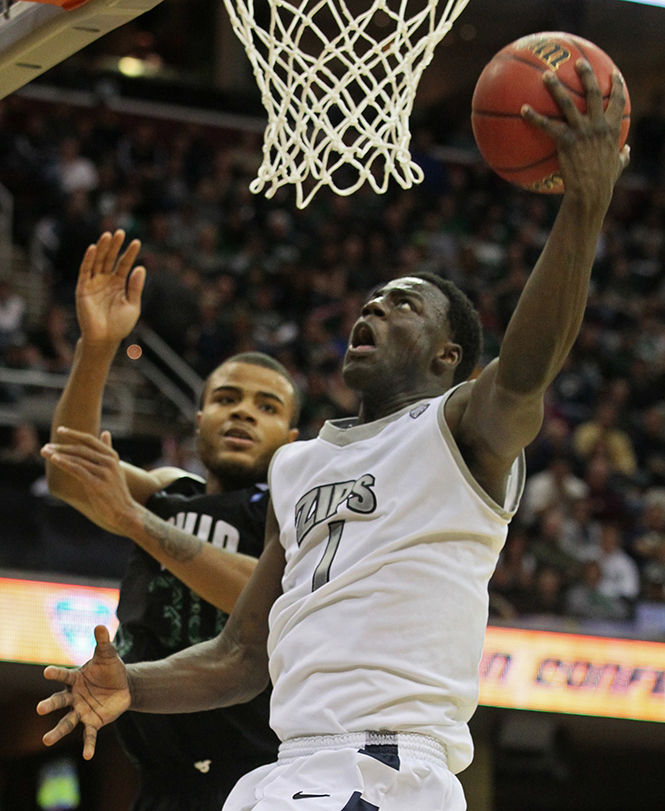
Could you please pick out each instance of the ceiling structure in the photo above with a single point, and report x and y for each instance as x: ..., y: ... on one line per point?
x: 191, y: 42
x: 632, y: 34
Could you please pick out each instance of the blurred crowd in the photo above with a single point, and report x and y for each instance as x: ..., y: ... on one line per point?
x: 229, y: 271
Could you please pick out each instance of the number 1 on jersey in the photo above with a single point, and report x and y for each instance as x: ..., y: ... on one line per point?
x: 322, y: 572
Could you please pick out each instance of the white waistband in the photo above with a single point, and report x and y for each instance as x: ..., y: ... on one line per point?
x: 409, y: 743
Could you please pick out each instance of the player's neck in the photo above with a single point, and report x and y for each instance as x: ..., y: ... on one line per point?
x: 216, y: 485
x: 213, y: 485
x: 373, y: 407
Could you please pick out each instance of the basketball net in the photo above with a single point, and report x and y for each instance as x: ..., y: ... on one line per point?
x: 339, y: 88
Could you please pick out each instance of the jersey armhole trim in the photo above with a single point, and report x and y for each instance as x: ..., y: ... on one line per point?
x: 272, y: 464
x: 515, y: 485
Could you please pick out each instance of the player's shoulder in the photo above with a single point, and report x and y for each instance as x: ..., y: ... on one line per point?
x: 168, y: 474
x: 182, y: 482
x: 456, y: 399
x: 290, y: 449
x: 452, y: 408
x: 289, y: 454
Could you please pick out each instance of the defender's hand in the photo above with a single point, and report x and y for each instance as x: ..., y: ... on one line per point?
x: 108, y: 290
x: 96, y: 466
x: 95, y: 695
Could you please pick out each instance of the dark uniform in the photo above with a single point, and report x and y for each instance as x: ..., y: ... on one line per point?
x: 190, y: 762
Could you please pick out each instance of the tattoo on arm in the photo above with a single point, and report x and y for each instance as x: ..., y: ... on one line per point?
x: 179, y: 545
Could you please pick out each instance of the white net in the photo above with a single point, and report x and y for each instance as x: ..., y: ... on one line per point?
x: 338, y: 85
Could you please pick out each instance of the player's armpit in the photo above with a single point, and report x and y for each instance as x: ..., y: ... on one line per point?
x: 492, y: 425
x: 249, y: 619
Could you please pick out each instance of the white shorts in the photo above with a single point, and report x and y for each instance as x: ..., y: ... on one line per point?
x: 366, y: 771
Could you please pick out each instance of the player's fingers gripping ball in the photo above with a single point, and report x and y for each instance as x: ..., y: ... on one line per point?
x: 518, y: 152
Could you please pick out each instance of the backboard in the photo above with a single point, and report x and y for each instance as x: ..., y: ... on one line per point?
x: 35, y: 35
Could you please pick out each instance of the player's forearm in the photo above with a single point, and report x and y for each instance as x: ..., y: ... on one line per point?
x: 80, y: 404
x: 215, y: 574
x: 232, y: 667
x: 212, y: 674
x: 549, y: 313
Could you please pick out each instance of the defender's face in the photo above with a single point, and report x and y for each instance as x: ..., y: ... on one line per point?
x: 244, y: 418
x: 397, y: 336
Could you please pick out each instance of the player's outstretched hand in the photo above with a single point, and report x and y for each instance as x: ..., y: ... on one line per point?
x: 96, y: 694
x: 95, y: 465
x: 590, y: 161
x: 108, y: 290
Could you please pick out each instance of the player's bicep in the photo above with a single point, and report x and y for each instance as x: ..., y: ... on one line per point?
x: 249, y: 620
x: 498, y: 421
x: 145, y: 483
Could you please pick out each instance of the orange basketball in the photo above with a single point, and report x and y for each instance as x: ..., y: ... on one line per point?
x: 517, y: 151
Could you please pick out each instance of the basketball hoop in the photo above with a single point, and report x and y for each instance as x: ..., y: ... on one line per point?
x: 338, y: 87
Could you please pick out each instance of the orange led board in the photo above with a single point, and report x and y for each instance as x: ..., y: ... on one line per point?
x: 573, y: 673
x: 52, y: 623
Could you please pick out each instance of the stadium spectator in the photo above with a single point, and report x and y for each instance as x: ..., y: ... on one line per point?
x: 12, y: 314
x: 608, y: 502
x: 646, y: 540
x: 21, y: 464
x: 73, y: 171
x: 619, y: 573
x: 602, y: 435
x: 54, y: 340
x: 585, y: 599
x: 547, y: 595
x: 648, y: 435
x: 546, y: 546
x: 580, y: 531
x: 557, y: 485
x: 513, y: 578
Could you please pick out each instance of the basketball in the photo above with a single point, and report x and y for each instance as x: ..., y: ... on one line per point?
x: 515, y: 150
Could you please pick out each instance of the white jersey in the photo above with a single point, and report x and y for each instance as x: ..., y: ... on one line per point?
x: 389, y: 550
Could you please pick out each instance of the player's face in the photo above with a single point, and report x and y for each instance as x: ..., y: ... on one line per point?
x: 244, y: 418
x: 401, y: 328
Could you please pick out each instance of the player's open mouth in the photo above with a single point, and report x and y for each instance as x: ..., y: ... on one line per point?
x: 362, y: 339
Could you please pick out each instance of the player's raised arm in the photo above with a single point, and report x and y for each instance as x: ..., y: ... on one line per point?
x: 108, y: 305
x: 229, y: 669
x: 504, y: 409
